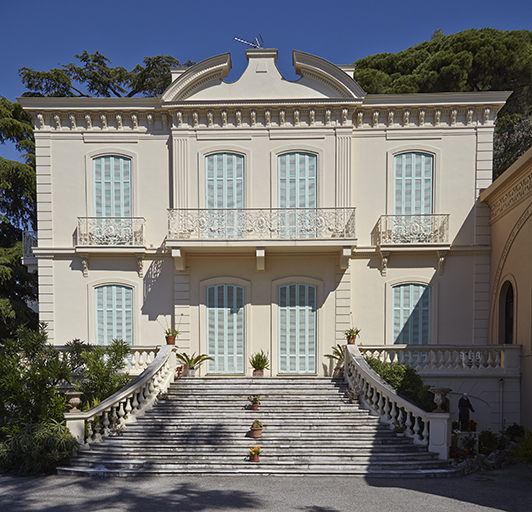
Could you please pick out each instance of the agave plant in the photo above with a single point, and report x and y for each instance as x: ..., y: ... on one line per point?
x: 260, y: 361
x: 191, y: 362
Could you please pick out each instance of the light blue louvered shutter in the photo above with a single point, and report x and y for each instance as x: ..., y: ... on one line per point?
x: 413, y: 183
x: 297, y: 189
x: 411, y: 314
x: 112, y: 186
x: 297, y: 328
x: 114, y: 314
x: 225, y: 328
x: 224, y: 190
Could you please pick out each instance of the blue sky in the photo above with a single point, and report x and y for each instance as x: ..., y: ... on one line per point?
x: 43, y: 35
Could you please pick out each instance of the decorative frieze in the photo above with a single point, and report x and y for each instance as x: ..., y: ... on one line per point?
x: 88, y: 121
x: 515, y: 194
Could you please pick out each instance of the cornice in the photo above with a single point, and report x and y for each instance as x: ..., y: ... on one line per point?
x: 438, y: 99
x: 55, y: 103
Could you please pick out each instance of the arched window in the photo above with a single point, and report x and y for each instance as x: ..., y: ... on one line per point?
x: 114, y: 314
x: 411, y: 314
x: 297, y: 328
x: 413, y: 184
x: 506, y: 314
x: 225, y: 328
x: 224, y: 180
x: 112, y: 186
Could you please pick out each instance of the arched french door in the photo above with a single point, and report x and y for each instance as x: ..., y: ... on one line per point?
x: 297, y: 328
x: 506, y: 314
x: 225, y: 329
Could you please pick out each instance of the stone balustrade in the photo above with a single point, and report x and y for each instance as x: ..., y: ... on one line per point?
x: 29, y: 241
x: 261, y: 223
x: 451, y: 359
x: 128, y: 404
x: 424, y: 428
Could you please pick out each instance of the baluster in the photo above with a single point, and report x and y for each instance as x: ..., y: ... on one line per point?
x: 375, y: 400
x: 408, y: 423
x: 425, y: 435
x: 498, y: 359
x: 129, y: 417
x: 490, y: 360
x: 432, y: 357
x: 393, y: 415
x: 380, y: 405
x: 448, y: 359
x: 417, y: 428
x: 481, y: 359
x: 121, y: 413
x: 387, y: 409
x: 90, y: 432
x: 106, y: 423
x: 97, y: 427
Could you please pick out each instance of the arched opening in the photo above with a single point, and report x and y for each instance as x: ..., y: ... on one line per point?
x: 506, y: 314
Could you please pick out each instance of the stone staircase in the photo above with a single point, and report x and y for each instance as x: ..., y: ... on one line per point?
x: 309, y: 429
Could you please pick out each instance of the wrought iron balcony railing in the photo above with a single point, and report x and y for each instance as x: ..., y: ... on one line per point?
x: 261, y: 223
x: 413, y: 229
x: 111, y: 231
x: 29, y: 241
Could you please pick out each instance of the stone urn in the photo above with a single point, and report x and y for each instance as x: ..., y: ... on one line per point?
x: 439, y: 397
x: 74, y: 400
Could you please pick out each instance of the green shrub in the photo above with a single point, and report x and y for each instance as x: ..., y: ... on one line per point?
x: 37, y: 448
x: 487, y: 442
x: 515, y: 432
x: 406, y: 381
x: 101, y: 371
x: 523, y: 450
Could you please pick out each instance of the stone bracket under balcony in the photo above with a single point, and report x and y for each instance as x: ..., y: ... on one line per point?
x: 396, y: 234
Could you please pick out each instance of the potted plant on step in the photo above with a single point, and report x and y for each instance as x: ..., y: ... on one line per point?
x: 254, y: 453
x: 338, y: 355
x: 351, y: 335
x: 192, y: 362
x: 254, y: 401
x: 259, y: 363
x: 171, y: 335
x: 256, y: 429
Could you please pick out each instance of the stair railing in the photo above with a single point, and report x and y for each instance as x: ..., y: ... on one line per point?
x: 424, y: 428
x: 126, y: 405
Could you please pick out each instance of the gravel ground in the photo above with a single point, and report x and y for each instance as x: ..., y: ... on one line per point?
x: 508, y: 489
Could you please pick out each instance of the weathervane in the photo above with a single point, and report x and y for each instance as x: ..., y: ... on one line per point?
x: 257, y: 44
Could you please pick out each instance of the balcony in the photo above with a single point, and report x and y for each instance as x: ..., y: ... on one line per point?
x: 406, y: 233
x: 261, y: 229
x: 111, y: 231
x: 413, y: 229
x: 263, y: 224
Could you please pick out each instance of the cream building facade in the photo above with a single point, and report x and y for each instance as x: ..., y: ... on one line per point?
x: 266, y: 214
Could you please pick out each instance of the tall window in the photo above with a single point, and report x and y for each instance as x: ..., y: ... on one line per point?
x: 506, y: 314
x: 114, y: 314
x: 225, y: 328
x: 411, y: 314
x: 297, y: 328
x: 413, y: 177
x: 297, y: 189
x: 112, y: 186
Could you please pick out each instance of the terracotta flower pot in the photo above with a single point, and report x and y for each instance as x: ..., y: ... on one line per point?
x: 170, y: 340
x: 254, y: 407
x: 351, y: 340
x: 256, y: 433
x: 258, y: 373
x: 255, y: 458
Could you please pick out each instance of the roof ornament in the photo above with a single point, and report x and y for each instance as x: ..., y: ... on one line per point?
x: 257, y: 44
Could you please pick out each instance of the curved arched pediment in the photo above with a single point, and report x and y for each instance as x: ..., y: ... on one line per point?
x: 262, y: 81
x: 310, y: 68
x: 206, y: 73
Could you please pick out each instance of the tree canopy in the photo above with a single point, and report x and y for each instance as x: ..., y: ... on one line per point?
x: 472, y: 60
x: 17, y: 212
x: 94, y: 76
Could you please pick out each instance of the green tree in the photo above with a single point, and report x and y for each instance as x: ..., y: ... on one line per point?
x: 95, y: 77
x: 472, y: 60
x: 17, y: 212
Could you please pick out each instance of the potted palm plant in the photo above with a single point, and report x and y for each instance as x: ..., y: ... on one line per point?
x: 192, y: 362
x: 351, y: 335
x: 338, y: 355
x: 171, y: 335
x: 259, y: 363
